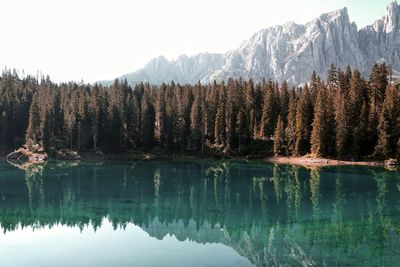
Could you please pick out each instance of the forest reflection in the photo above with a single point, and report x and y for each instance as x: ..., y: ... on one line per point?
x: 272, y: 214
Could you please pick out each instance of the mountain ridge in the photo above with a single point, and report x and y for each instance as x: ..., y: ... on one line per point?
x: 288, y: 52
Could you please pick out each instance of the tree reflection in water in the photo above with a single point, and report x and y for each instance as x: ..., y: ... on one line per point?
x: 272, y: 214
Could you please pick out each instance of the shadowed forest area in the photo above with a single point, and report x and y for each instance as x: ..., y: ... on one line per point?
x: 346, y: 116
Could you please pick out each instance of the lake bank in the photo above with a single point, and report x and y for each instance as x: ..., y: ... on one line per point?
x: 305, y: 161
x: 320, y: 162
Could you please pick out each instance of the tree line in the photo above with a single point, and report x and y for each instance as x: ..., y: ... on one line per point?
x: 345, y: 116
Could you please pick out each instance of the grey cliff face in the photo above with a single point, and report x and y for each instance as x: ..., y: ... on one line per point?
x: 292, y: 52
x: 289, y: 52
x: 183, y: 70
x: 381, y: 40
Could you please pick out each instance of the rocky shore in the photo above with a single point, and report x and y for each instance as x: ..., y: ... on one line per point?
x: 24, y: 154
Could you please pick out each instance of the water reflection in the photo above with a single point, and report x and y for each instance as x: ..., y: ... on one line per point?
x: 271, y: 214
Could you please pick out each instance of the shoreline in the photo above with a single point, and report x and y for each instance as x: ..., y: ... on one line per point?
x: 320, y: 162
x: 304, y: 161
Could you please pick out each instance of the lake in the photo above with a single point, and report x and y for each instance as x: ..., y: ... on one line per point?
x: 198, y: 213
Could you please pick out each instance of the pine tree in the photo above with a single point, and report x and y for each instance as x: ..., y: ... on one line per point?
x: 251, y: 111
x: 161, y: 116
x: 392, y: 109
x: 378, y: 82
x: 290, y: 131
x: 220, y: 125
x: 279, y: 137
x: 330, y: 122
x: 45, y: 130
x: 332, y: 76
x: 313, y: 86
x: 343, y: 85
x: 220, y: 119
x: 358, y: 114
x: 373, y: 121
x: 243, y: 132
x: 116, y: 116
x: 234, y: 103
x: 382, y: 147
x: 115, y: 129
x: 147, y: 122
x: 343, y: 127
x: 322, y: 139
x: 268, y: 120
x: 212, y: 99
x: 133, y: 119
x: 318, y: 133
x: 180, y: 123
x: 348, y: 73
x: 304, y: 118
x: 257, y: 110
x: 33, y: 131
x: 357, y: 95
x: 196, y: 122
x: 83, y: 121
x: 94, y: 114
x: 360, y: 133
x: 345, y: 117
x: 204, y: 120
x: 171, y: 109
x: 70, y: 124
x: 185, y: 123
x: 283, y: 101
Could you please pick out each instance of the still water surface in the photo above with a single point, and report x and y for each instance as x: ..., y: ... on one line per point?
x: 198, y: 213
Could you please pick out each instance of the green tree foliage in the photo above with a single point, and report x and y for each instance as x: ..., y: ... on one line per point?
x: 196, y: 122
x: 251, y: 109
x: 304, y: 118
x: 378, y: 82
x: 322, y: 135
x: 268, y: 120
x: 343, y: 116
x: 34, y: 120
x: 220, y: 120
x: 147, y: 122
x: 361, y: 133
x: 290, y: 132
x: 279, y: 137
x: 382, y: 147
x: 346, y: 117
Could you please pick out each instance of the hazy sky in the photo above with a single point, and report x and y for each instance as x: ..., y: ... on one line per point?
x: 94, y: 40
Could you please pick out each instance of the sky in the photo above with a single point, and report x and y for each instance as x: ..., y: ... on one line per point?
x: 85, y: 40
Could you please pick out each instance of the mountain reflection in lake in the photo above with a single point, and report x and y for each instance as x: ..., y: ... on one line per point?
x: 198, y: 213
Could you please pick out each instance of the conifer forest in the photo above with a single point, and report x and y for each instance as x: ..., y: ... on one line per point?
x: 345, y: 116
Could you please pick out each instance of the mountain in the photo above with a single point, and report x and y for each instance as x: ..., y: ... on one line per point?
x: 183, y: 70
x: 289, y: 52
x: 381, y: 40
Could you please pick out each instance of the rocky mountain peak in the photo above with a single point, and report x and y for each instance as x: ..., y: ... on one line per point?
x: 380, y: 41
x: 392, y: 18
x: 290, y: 52
x: 336, y: 15
x: 388, y: 23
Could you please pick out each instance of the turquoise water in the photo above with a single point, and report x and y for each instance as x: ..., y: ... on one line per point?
x: 198, y: 213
